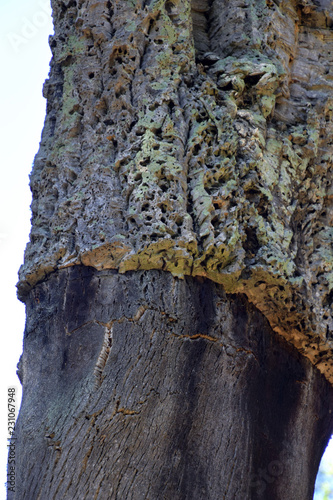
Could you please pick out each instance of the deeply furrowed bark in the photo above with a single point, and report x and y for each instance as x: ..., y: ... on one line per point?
x: 159, y: 155
x: 178, y: 278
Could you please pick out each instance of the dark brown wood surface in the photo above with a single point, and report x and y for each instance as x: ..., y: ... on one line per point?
x: 193, y: 396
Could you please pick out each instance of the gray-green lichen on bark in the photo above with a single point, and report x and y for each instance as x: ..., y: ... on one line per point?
x: 195, y: 138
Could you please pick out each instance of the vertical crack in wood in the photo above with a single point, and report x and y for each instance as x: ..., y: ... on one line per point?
x: 103, y: 355
x: 200, y: 15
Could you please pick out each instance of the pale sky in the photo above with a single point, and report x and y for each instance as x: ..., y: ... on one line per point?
x: 25, y: 55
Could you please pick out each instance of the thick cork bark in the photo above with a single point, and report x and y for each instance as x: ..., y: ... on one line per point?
x: 195, y: 138
x: 178, y: 277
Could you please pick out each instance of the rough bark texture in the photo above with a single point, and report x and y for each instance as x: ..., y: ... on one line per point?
x: 178, y: 278
x: 144, y: 386
x: 197, y: 144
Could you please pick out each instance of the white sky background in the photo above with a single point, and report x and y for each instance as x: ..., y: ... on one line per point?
x: 25, y: 55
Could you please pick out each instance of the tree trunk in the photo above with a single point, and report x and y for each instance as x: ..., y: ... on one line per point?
x: 146, y: 386
x: 178, y: 278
